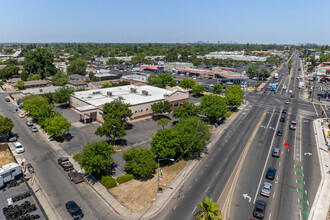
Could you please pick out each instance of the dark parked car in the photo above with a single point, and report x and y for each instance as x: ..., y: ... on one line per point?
x: 259, y: 209
x: 279, y: 132
x: 284, y: 111
x: 76, y: 177
x: 12, y: 137
x: 282, y: 119
x: 276, y: 152
x: 74, y: 210
x: 271, y: 173
x: 7, y: 99
x: 65, y: 163
x: 30, y: 168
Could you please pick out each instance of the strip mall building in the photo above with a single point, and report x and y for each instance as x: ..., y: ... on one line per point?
x: 140, y: 98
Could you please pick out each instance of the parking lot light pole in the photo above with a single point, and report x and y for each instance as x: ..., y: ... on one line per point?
x: 171, y: 159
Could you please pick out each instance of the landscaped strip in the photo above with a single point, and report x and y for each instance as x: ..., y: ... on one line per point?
x: 304, y: 213
x: 302, y: 191
x: 298, y: 167
x: 300, y: 182
x: 304, y: 201
x: 299, y: 174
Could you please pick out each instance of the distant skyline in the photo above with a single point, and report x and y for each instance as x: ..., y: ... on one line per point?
x: 171, y: 21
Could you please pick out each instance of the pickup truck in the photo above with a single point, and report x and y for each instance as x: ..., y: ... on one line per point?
x: 76, y: 177
x: 65, y: 163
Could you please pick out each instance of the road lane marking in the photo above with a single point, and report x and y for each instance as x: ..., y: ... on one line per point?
x: 218, y: 172
x: 207, y: 189
x: 270, y: 215
x: 269, y: 151
x: 194, y: 210
x: 174, y: 207
x: 182, y: 197
x: 317, y: 115
x: 274, y: 194
x: 270, y: 118
x: 189, y: 187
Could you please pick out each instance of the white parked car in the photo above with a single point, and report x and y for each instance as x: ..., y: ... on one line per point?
x: 21, y: 115
x: 19, y: 148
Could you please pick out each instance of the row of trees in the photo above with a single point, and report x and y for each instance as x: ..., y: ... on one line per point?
x: 252, y: 71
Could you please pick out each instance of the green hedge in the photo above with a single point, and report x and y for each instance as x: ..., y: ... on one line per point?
x: 108, y: 182
x: 124, y: 178
x: 228, y: 114
x: 76, y: 157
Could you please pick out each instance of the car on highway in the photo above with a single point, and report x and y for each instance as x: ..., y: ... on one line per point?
x: 21, y: 115
x: 284, y: 87
x: 266, y: 189
x: 65, y: 163
x: 284, y: 111
x: 29, y: 123
x: 262, y: 89
x: 282, y: 118
x: 259, y: 209
x: 19, y: 148
x: 290, y: 91
x: 276, y: 152
x: 293, y: 125
x: 34, y: 129
x: 279, y: 132
x: 287, y: 101
x: 292, y: 96
x: 328, y: 107
x: 30, y: 168
x: 7, y: 99
x: 270, y: 173
x: 74, y: 210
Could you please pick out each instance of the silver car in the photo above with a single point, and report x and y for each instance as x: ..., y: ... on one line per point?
x: 276, y: 152
x: 266, y: 189
x: 33, y: 129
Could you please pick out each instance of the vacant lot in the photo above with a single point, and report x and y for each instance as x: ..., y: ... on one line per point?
x: 6, y: 157
x: 138, y: 195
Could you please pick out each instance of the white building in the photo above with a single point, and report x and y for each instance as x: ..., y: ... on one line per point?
x: 140, y: 98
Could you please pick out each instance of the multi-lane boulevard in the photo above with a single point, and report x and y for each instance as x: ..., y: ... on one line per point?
x: 234, y: 170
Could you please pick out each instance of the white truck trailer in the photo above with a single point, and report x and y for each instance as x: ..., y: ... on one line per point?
x: 9, y: 172
x: 276, y: 76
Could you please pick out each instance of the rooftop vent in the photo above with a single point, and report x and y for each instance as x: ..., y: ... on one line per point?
x: 109, y: 94
x: 120, y: 98
x: 144, y: 92
x: 133, y: 90
x: 40, y: 90
x: 96, y: 92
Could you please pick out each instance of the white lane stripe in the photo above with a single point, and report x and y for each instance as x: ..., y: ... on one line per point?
x: 317, y: 115
x: 194, y: 209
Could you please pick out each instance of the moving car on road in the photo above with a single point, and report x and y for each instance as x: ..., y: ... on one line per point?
x: 282, y: 118
x: 266, y: 189
x: 287, y: 101
x: 284, y: 111
x: 7, y: 99
x: 276, y: 152
x: 293, y: 125
x: 279, y: 132
x: 259, y: 209
x: 271, y: 173
x: 74, y: 210
x: 65, y: 163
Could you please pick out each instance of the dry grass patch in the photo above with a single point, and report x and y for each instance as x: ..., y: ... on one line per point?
x: 138, y: 195
x: 6, y: 157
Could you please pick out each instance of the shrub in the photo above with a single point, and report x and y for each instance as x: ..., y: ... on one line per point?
x: 1, y: 83
x: 228, y: 114
x: 108, y: 182
x: 76, y: 157
x: 124, y: 178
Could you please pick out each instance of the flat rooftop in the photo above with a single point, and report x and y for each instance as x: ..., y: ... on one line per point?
x: 99, y: 97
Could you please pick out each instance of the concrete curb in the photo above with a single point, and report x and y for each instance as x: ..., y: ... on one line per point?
x: 321, y: 202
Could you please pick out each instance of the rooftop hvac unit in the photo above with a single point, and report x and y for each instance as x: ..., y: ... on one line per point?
x: 109, y: 94
x: 97, y: 92
x: 120, y: 98
x: 40, y: 90
x: 144, y: 92
x: 133, y: 90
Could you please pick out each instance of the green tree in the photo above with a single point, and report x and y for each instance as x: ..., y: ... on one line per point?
x: 217, y: 89
x: 264, y: 73
x: 187, y: 83
x: 11, y: 62
x: 37, y: 107
x: 197, y: 62
x: 154, y: 81
x: 198, y: 89
x: 39, y: 61
x: 6, y: 125
x: 96, y: 157
x: 138, y: 59
x: 194, y: 135
x: 63, y: 94
x: 209, y: 210
x: 56, y: 126
x: 166, y: 79
x: 234, y: 95
x: 187, y: 109
x: 163, y: 122
x: 8, y: 72
x: 60, y: 79
x: 140, y: 161
x: 106, y: 84
x: 24, y: 75
x: 161, y: 107
x: 117, y: 110
x: 213, y: 106
x: 33, y: 77
x: 20, y: 84
x: 166, y: 143
x: 112, y: 61
x: 112, y: 128
x: 77, y: 66
x: 252, y: 72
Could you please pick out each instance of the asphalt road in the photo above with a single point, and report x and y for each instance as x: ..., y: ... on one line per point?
x: 54, y: 180
x: 211, y: 176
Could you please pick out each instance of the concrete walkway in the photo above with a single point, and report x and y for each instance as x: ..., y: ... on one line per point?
x: 322, y: 199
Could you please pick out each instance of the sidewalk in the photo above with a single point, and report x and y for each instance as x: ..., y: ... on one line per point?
x: 322, y: 199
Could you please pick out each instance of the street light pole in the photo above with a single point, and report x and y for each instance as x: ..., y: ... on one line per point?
x: 171, y: 159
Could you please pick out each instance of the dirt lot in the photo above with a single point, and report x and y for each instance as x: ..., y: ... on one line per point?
x: 6, y: 157
x: 139, y: 195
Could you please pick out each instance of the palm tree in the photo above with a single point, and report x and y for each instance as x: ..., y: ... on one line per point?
x: 210, y: 210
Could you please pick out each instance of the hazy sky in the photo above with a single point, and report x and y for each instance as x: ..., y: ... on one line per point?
x: 173, y: 21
